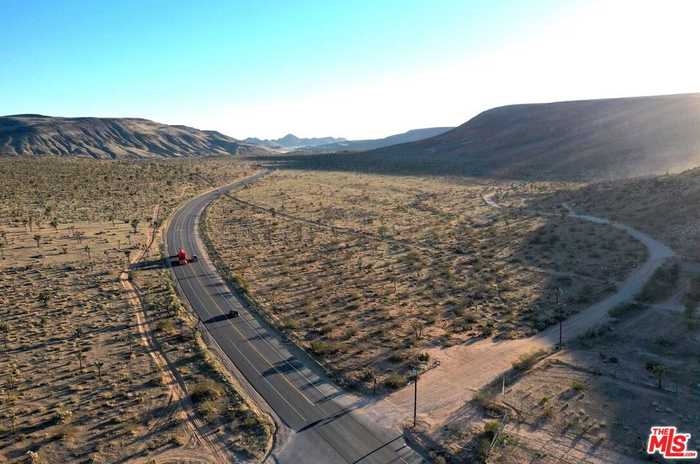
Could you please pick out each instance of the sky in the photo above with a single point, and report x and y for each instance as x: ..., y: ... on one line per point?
x: 354, y: 69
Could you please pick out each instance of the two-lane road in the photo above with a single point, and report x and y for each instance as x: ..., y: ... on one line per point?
x: 325, y: 428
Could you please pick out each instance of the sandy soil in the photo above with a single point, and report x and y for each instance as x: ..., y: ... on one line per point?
x: 78, y: 380
x: 465, y: 370
x: 420, y: 264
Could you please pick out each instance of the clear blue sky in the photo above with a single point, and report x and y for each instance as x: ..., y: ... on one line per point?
x: 316, y: 68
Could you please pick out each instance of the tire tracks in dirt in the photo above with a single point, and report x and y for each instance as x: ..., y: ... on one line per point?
x: 464, y: 369
x: 179, y: 397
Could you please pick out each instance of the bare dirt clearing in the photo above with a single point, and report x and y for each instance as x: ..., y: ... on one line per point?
x: 601, y: 396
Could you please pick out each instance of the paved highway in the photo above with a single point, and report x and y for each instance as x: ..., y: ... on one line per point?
x: 325, y: 428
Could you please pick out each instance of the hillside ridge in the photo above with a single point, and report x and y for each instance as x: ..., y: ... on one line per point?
x: 589, y: 139
x: 111, y: 138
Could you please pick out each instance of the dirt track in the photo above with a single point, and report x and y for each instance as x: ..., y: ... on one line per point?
x: 464, y: 369
x: 202, y: 449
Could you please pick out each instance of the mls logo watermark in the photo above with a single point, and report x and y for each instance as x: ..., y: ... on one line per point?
x: 669, y: 443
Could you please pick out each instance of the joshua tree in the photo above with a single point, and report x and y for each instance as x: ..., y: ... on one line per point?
x: 81, y: 356
x: 134, y: 224
x: 37, y: 239
x: 34, y: 457
x: 87, y: 251
x: 54, y: 223
x: 44, y: 297
x: 371, y: 376
x: 659, y: 371
x: 12, y: 414
x: 12, y: 378
x: 418, y: 327
x: 4, y: 332
x: 99, y: 365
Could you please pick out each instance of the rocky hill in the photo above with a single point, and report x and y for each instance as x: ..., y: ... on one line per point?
x: 371, y: 144
x: 579, y: 140
x: 292, y: 142
x: 111, y: 138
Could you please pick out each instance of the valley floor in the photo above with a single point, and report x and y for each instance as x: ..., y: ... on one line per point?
x: 377, y: 275
x: 89, y: 372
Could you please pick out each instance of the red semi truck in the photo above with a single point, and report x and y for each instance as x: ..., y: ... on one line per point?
x: 183, y: 259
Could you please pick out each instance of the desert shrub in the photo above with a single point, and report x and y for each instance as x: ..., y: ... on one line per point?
x: 250, y: 422
x: 34, y: 457
x: 394, y: 381
x: 240, y: 282
x: 595, y: 332
x: 486, y: 399
x: 62, y: 415
x: 484, y: 396
x: 491, y: 427
x: 166, y: 326
x: 664, y: 342
x: 526, y: 360
x: 209, y: 409
x: 692, y: 296
x: 577, y: 386
x: 321, y: 347
x: 658, y: 370
x: 548, y: 410
x: 206, y: 390
x: 661, y: 284
x: 625, y: 309
x: 397, y: 357
x: 180, y: 438
x: 290, y: 324
x: 367, y: 375
x: 484, y: 447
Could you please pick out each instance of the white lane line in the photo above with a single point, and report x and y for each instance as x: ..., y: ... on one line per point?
x: 260, y: 331
x: 211, y: 270
x: 203, y: 305
x: 359, y: 423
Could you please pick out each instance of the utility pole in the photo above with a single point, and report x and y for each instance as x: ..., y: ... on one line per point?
x: 560, y: 331
x: 415, y: 395
x: 560, y: 316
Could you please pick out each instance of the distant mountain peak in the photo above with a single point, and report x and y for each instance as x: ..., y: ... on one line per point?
x: 289, y: 138
x: 291, y: 142
x: 371, y: 144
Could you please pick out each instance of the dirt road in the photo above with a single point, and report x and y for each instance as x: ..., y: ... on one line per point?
x: 464, y: 369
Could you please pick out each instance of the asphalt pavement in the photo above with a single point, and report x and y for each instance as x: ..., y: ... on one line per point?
x: 324, y: 427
